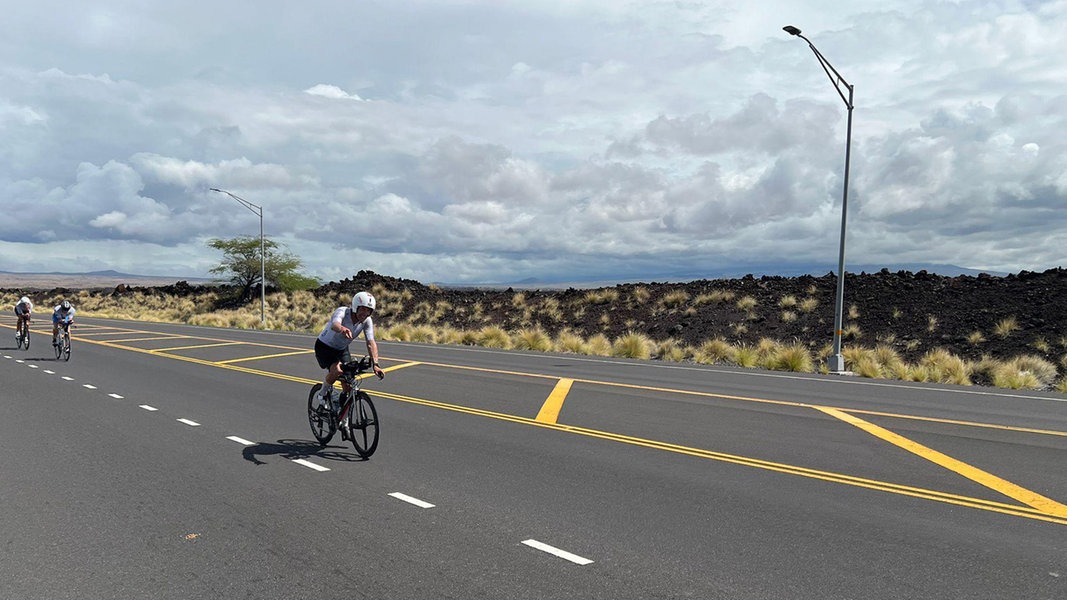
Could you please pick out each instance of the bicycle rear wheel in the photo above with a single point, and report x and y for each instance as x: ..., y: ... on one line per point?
x: 320, y: 419
x: 363, y: 424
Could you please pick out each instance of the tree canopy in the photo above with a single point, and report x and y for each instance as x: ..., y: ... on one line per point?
x: 241, y: 264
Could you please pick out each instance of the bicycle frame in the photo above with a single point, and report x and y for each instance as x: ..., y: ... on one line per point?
x: 355, y: 417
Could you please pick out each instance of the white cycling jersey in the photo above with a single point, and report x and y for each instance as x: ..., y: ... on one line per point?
x: 336, y: 339
x: 24, y: 308
x: 57, y: 313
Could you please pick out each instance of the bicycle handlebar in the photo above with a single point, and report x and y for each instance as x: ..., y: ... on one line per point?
x: 356, y: 367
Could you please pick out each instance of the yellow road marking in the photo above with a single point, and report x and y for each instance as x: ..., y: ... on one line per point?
x: 146, y: 339
x: 979, y: 503
x: 401, y: 366
x: 549, y: 412
x: 199, y: 346
x: 989, y: 480
x: 115, y: 332
x: 757, y: 400
x: 235, y: 360
x: 955, y: 422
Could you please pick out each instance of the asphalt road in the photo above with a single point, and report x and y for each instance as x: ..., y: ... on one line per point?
x: 168, y: 461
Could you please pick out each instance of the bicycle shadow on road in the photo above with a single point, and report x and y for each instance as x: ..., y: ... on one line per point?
x: 293, y: 449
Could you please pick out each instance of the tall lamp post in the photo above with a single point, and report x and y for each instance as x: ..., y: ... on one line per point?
x: 837, y: 360
x: 262, y: 254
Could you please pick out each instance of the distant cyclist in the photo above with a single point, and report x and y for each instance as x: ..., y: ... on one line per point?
x: 63, y: 313
x: 23, y: 311
x: 344, y: 326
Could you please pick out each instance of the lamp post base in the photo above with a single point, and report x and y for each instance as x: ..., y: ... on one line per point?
x: 836, y: 365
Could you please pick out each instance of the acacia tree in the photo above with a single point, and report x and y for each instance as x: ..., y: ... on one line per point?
x: 240, y: 262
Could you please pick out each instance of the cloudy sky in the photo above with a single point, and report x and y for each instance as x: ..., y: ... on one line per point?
x: 495, y: 140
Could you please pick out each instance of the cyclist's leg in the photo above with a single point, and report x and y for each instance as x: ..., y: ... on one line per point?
x: 328, y: 359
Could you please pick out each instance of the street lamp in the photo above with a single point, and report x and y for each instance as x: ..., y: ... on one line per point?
x: 837, y: 360
x: 262, y: 255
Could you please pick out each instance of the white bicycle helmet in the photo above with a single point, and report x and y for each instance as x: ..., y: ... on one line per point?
x: 66, y: 305
x: 363, y: 299
x: 24, y: 300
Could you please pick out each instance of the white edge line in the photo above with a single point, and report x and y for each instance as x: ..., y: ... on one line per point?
x: 234, y: 438
x: 116, y: 396
x: 149, y: 408
x: 189, y: 423
x: 411, y: 500
x: 574, y: 558
x: 309, y: 464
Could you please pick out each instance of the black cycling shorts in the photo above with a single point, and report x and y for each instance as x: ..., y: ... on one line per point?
x: 328, y: 356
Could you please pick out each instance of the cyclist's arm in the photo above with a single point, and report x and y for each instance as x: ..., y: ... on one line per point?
x: 339, y: 328
x: 372, y: 350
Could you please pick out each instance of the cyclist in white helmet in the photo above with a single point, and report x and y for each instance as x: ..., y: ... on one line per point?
x: 23, y: 312
x: 63, y: 313
x: 345, y: 325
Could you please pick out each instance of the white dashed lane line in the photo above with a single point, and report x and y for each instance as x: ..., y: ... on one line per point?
x: 568, y: 556
x: 410, y: 500
x: 309, y: 464
x: 574, y: 558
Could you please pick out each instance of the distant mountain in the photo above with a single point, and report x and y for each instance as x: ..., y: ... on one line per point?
x: 667, y: 276
x: 93, y: 279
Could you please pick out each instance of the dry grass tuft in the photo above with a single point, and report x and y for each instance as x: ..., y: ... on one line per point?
x: 746, y: 303
x: 1006, y: 327
x: 632, y: 345
x: 532, y: 338
x: 808, y: 305
x: 600, y: 297
x: 493, y: 336
x: 794, y: 357
x: 713, y: 352
x: 674, y: 299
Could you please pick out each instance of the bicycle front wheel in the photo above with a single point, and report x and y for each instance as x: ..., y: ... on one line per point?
x: 57, y: 345
x: 363, y: 425
x: 322, y: 426
x: 66, y: 347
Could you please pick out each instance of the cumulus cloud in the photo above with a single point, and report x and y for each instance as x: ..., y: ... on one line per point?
x: 331, y: 91
x: 647, y: 136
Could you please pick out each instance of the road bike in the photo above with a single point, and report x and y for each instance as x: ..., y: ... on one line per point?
x: 62, y: 348
x: 352, y: 413
x: 22, y: 333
